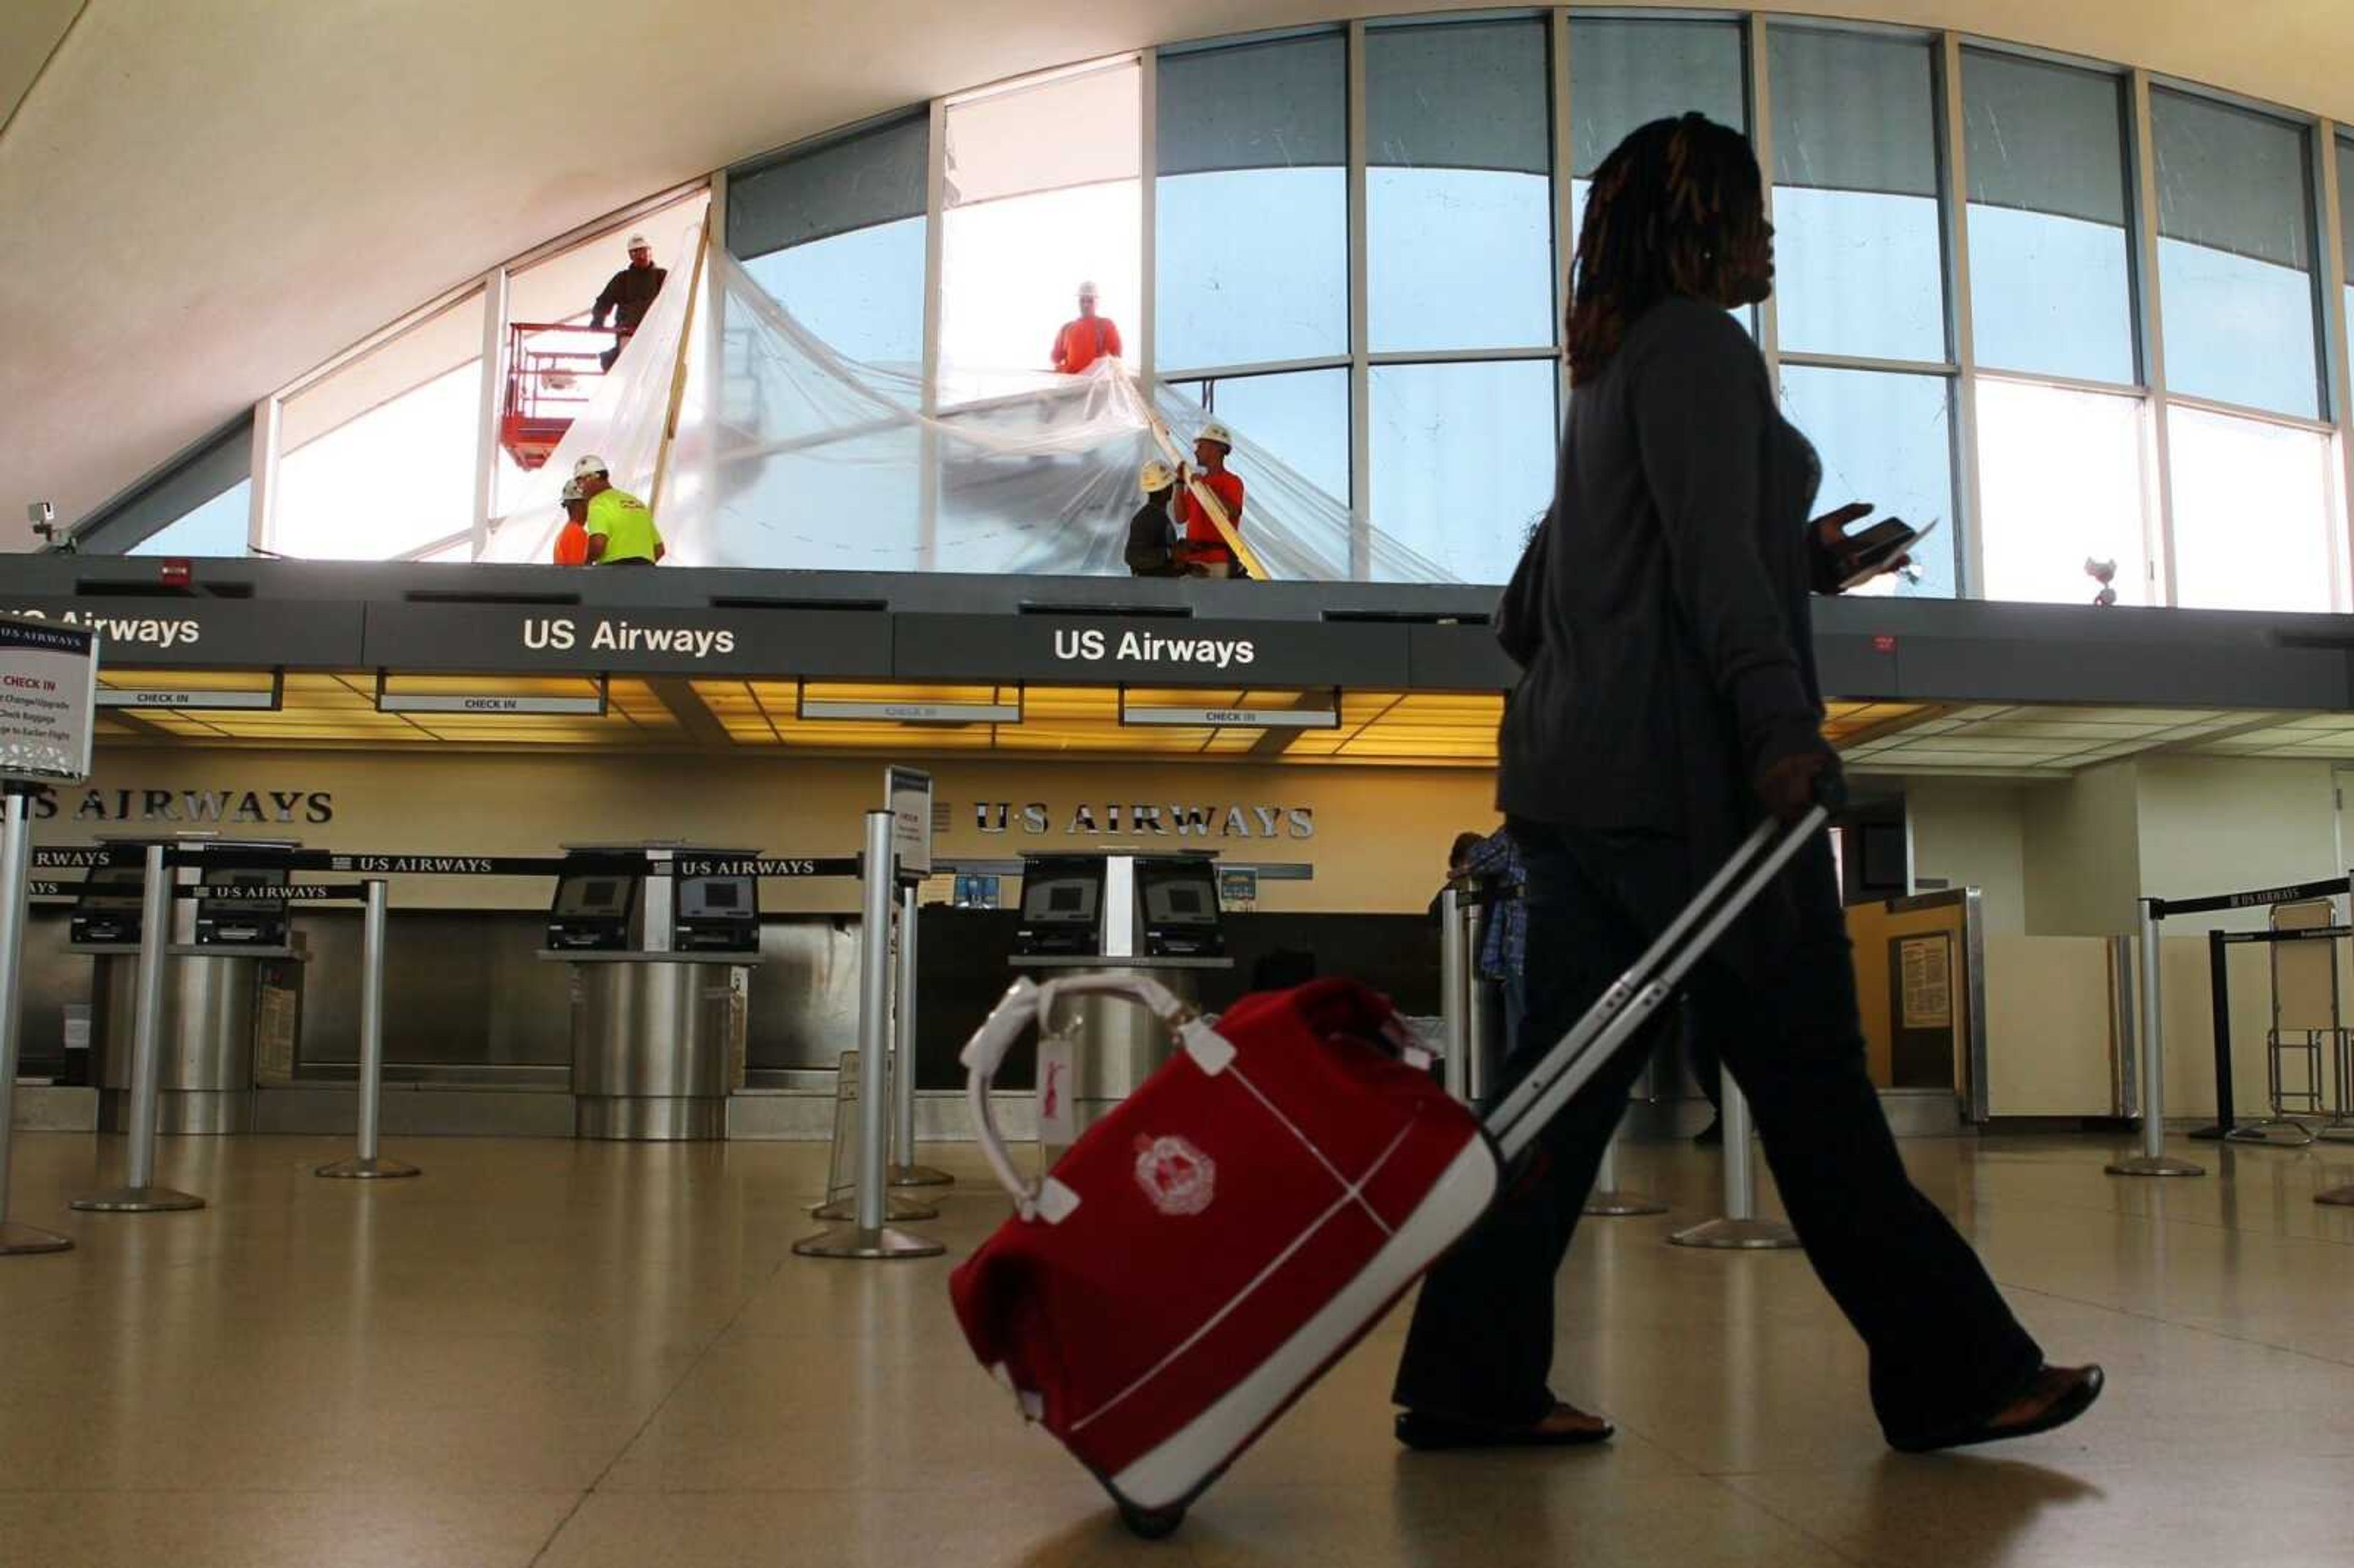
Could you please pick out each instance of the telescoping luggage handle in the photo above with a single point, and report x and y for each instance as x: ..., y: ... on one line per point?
x: 1634, y: 996
x: 1027, y: 1001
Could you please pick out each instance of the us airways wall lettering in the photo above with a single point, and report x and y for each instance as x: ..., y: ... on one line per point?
x: 199, y: 808
x: 1118, y: 819
x: 557, y: 634
x: 1088, y: 645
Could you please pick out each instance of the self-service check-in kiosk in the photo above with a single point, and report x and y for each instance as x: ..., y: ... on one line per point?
x: 660, y: 939
x: 1133, y: 913
x: 229, y: 970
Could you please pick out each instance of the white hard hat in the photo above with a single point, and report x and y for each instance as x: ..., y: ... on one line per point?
x: 572, y: 490
x: 638, y: 242
x: 1157, y: 476
x: 1088, y: 290
x: 588, y: 466
x: 1214, y: 431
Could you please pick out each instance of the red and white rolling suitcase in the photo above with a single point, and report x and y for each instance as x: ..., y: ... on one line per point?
x: 1202, y: 1253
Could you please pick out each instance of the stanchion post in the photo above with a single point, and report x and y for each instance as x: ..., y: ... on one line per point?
x: 868, y: 1236
x: 1454, y: 994
x: 1740, y: 1230
x: 15, y: 863
x: 141, y: 1195
x: 366, y: 1164
x: 2153, y: 1160
x: 1606, y: 1201
x: 2219, y: 992
x: 905, y: 1169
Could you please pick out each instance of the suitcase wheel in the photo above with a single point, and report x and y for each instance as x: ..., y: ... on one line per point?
x: 1151, y: 1523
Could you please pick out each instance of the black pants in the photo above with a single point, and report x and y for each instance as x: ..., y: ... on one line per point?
x: 1946, y: 1350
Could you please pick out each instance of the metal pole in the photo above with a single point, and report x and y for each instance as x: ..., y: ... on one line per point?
x: 365, y: 1165
x: 868, y: 1236
x: 905, y: 1170
x: 141, y: 1195
x: 1607, y: 1202
x: 2153, y: 1160
x: 1740, y: 1230
x: 2218, y: 990
x: 1454, y: 1000
x: 15, y: 860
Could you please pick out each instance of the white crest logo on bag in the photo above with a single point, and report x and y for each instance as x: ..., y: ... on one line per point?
x: 1179, y: 1178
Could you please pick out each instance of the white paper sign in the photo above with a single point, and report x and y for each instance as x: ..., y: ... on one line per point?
x: 1057, y: 1127
x: 48, y: 688
x: 908, y: 795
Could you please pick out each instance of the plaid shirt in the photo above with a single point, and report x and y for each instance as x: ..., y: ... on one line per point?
x: 1497, y: 860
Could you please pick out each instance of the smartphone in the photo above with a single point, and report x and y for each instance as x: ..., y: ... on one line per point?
x: 1871, y: 551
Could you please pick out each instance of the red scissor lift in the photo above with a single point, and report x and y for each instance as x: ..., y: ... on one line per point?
x: 553, y: 369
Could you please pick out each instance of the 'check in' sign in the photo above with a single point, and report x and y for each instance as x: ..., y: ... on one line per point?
x: 49, y: 687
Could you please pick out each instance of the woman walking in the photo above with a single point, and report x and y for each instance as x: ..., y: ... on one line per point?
x: 1668, y: 701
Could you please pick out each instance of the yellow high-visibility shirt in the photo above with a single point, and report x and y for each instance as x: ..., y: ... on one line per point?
x: 627, y: 529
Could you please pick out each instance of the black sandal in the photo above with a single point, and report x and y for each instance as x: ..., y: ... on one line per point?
x: 1440, y: 1434
x: 2083, y: 1387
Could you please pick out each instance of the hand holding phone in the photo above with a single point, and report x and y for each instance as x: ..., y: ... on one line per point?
x: 1881, y: 548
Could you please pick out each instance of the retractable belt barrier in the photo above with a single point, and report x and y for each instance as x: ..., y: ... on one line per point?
x: 2153, y: 1160
x: 229, y: 858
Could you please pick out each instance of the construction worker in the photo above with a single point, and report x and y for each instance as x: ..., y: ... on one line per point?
x: 1090, y: 338
x: 572, y: 540
x: 1203, y: 550
x: 622, y: 532
x: 1151, y: 532
x: 628, y: 297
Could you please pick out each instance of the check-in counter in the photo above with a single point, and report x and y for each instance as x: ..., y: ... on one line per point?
x: 230, y: 976
x: 659, y: 948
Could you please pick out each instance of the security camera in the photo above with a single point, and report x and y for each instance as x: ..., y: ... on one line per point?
x: 39, y: 512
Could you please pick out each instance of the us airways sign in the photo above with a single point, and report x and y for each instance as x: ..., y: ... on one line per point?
x: 1150, y: 650
x: 173, y: 631
x: 649, y: 639
x: 1116, y: 819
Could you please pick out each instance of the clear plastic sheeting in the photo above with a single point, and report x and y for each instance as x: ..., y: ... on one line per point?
x: 789, y: 455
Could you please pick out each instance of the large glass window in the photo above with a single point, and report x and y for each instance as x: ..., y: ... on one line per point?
x: 1624, y: 74
x: 217, y: 527
x: 1045, y: 192
x: 2346, y: 233
x: 1458, y: 190
x: 835, y: 234
x: 2252, y: 513
x: 2050, y: 268
x: 1860, y: 253
x: 2060, y: 493
x: 1463, y: 460
x: 1301, y: 417
x: 1252, y: 203
x: 1886, y: 439
x: 2236, y: 255
x: 377, y: 458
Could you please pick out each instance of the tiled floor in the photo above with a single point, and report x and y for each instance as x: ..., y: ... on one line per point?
x: 592, y: 1354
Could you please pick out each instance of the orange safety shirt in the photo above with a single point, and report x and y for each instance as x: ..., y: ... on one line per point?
x: 572, y: 546
x: 1203, y: 540
x: 1083, y: 341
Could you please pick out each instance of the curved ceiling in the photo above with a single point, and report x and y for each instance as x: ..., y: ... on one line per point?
x: 198, y: 203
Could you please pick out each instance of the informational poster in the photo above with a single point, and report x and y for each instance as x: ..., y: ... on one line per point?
x: 277, y: 1017
x: 908, y: 795
x: 1926, y: 973
x: 48, y: 688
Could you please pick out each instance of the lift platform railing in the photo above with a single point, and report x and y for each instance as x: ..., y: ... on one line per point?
x: 553, y: 371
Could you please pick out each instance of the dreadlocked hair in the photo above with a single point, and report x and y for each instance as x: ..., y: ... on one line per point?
x: 1676, y: 208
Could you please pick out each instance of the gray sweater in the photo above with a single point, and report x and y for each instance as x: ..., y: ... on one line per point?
x: 1660, y: 615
